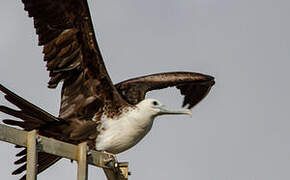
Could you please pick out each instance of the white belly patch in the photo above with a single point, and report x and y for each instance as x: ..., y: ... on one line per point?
x: 118, y: 135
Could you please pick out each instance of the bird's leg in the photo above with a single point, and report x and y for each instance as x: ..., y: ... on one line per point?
x: 114, y: 155
x: 111, y: 162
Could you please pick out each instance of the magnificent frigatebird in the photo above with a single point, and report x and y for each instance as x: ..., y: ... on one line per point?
x: 111, y: 118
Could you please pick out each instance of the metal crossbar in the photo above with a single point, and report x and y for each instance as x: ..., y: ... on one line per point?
x: 36, y: 143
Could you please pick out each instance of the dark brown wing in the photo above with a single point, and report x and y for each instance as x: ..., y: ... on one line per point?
x: 194, y: 86
x: 65, y: 29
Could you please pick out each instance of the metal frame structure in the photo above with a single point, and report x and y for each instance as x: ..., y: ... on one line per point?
x: 80, y: 153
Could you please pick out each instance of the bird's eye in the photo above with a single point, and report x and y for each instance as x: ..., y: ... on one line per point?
x: 155, y: 103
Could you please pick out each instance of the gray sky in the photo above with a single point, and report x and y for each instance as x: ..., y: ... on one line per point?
x: 239, y: 132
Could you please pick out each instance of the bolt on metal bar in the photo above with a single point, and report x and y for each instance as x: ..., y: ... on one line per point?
x: 31, y: 166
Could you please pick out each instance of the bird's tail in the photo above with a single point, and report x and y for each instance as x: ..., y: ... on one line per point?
x: 31, y: 117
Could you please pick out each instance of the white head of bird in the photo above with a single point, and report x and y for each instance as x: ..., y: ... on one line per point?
x: 153, y: 108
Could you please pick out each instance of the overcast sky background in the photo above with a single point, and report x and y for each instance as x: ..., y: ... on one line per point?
x: 239, y: 132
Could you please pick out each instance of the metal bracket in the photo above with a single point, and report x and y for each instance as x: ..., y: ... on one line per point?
x: 117, y: 171
x: 123, y: 166
x: 36, y: 143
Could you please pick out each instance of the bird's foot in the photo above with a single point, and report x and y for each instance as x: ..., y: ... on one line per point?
x: 111, y: 162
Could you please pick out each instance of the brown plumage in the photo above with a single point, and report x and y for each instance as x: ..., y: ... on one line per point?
x: 64, y: 28
x: 194, y: 86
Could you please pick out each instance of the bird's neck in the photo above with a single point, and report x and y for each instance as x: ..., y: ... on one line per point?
x: 140, y: 119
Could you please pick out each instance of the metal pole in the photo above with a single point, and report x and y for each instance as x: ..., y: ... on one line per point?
x: 82, y: 161
x: 31, y: 166
x: 119, y: 173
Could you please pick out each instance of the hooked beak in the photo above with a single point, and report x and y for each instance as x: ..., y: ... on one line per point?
x: 164, y: 110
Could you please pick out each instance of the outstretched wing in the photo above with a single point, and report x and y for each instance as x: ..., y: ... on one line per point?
x: 65, y: 29
x: 194, y: 86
